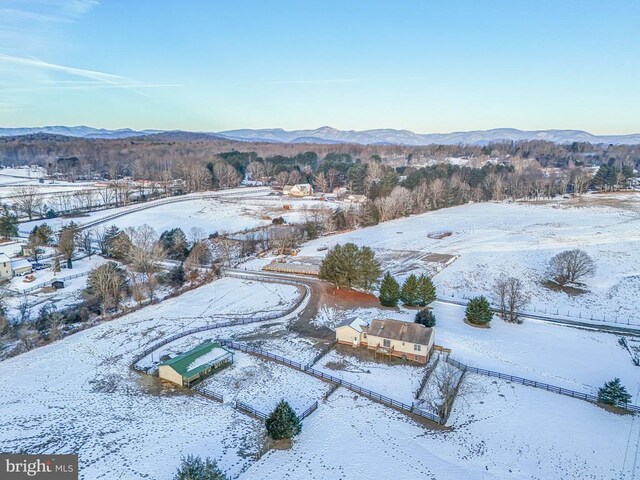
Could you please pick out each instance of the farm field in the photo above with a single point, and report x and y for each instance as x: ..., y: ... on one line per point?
x: 504, y: 431
x: 500, y: 239
x: 573, y: 358
x: 78, y: 394
x: 261, y: 384
x: 248, y: 209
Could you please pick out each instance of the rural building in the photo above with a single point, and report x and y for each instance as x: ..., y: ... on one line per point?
x: 355, y: 199
x: 350, y: 332
x: 395, y: 338
x: 21, y: 266
x: 196, y: 364
x: 6, y: 273
x: 299, y: 190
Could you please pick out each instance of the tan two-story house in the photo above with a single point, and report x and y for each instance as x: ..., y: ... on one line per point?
x: 411, y: 341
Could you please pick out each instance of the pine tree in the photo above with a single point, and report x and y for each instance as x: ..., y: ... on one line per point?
x: 347, y: 266
x: 389, y: 291
x: 425, y: 317
x: 8, y: 224
x: 479, y: 311
x: 426, y: 291
x: 614, y: 393
x: 283, y: 422
x: 368, y: 269
x: 409, y: 292
x: 110, y: 236
x: 194, y: 468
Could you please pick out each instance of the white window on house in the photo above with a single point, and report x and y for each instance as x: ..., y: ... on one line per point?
x: 416, y: 357
x: 417, y: 347
x: 365, y: 335
x: 355, y: 339
x: 386, y: 343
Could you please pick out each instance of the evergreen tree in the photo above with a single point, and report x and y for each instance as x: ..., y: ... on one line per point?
x: 347, y: 266
x: 338, y: 219
x: 614, y: 393
x: 175, y: 243
x: 425, y: 317
x: 176, y: 275
x: 8, y: 224
x: 389, y: 291
x: 426, y: 291
x: 409, y: 292
x: 108, y: 242
x: 194, y: 468
x: 479, y: 311
x: 283, y: 422
x: 368, y: 269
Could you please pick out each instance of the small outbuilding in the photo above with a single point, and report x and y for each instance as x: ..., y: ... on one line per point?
x: 196, y: 364
x: 21, y: 266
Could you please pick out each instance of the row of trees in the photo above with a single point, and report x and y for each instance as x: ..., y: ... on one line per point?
x: 415, y: 291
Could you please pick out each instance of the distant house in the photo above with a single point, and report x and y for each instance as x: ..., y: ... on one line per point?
x: 356, y: 198
x: 21, y: 266
x: 411, y: 341
x: 6, y: 272
x: 196, y: 364
x: 299, y: 190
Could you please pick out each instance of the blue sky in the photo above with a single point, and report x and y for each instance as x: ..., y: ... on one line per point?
x: 427, y: 66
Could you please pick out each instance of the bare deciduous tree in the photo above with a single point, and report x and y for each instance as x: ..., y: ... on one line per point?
x: 28, y: 201
x: 107, y: 282
x: 226, y: 175
x: 571, y: 265
x: 67, y: 243
x: 451, y: 384
x: 145, y: 253
x: 511, y: 297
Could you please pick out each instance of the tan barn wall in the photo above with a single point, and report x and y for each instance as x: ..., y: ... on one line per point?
x: 168, y: 373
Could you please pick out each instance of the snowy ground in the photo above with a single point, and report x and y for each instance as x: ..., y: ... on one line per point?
x: 574, y: 358
x: 496, y: 239
x: 393, y: 379
x: 261, y: 384
x: 274, y: 337
x: 506, y: 431
x: 78, y: 395
x: 246, y: 210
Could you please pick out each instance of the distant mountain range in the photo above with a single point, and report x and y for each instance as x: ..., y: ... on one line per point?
x: 328, y: 135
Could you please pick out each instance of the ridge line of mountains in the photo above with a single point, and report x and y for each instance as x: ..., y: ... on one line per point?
x: 329, y: 135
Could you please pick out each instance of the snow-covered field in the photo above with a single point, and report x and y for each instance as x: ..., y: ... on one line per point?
x: 501, y: 239
x: 506, y: 431
x: 78, y: 394
x: 261, y: 384
x: 393, y: 379
x: 574, y: 358
x: 247, y: 210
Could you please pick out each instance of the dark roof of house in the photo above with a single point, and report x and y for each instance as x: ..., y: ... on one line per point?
x: 402, y: 331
